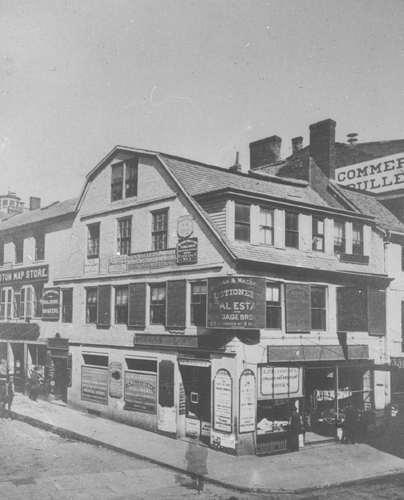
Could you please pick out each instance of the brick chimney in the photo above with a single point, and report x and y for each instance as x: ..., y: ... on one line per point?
x: 297, y: 144
x: 322, y: 146
x: 34, y: 203
x: 265, y: 151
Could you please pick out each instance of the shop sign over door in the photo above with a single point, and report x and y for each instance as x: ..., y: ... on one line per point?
x: 25, y: 275
x: 280, y: 382
x: 236, y: 302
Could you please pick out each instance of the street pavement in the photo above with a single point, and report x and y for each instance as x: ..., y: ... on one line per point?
x: 311, y: 468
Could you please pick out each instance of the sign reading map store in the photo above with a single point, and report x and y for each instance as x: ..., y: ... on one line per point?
x: 378, y: 175
x: 236, y: 302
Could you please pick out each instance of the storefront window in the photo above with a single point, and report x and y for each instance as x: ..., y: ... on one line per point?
x: 318, y: 315
x: 198, y: 304
x: 273, y: 307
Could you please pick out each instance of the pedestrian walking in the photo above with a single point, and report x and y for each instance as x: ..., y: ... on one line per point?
x: 10, y: 396
x: 196, y: 456
x: 350, y: 425
x: 34, y: 384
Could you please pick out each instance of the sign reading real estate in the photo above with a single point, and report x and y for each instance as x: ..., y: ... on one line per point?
x: 236, y: 302
x: 150, y: 260
x: 140, y: 392
x: 50, y: 304
x: 280, y: 382
x: 94, y: 384
x: 187, y: 251
x: 222, y: 394
x: 378, y: 175
x: 25, y: 274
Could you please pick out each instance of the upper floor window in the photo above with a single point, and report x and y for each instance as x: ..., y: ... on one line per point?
x: 19, y: 249
x: 318, y: 316
x: 266, y: 226
x: 91, y: 305
x: 198, y: 303
x: 93, y: 241
x: 40, y: 245
x: 242, y: 222
x: 67, y: 305
x: 124, y: 236
x: 291, y: 230
x: 121, y: 305
x: 124, y: 179
x: 318, y: 234
x: 339, y: 237
x: 38, y: 294
x: 6, y: 304
x: 158, y: 304
x: 357, y: 240
x: 1, y: 252
x: 27, y: 302
x: 4, y: 203
x: 160, y: 230
x: 273, y: 306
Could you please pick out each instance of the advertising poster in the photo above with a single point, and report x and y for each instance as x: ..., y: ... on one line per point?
x: 222, y: 401
x: 115, y: 380
x: 94, y: 384
x: 247, y: 401
x: 141, y: 391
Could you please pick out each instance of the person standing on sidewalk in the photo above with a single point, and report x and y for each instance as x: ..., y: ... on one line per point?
x: 295, y: 428
x: 10, y: 396
x: 3, y: 398
x: 350, y: 425
x: 34, y: 384
x: 196, y: 456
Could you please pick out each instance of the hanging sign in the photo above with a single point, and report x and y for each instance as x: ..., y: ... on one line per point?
x: 50, y: 304
x: 247, y: 401
x: 222, y: 394
x: 280, y: 382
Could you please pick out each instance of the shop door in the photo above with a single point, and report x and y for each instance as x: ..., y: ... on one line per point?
x: 61, y: 378
x: 19, y: 372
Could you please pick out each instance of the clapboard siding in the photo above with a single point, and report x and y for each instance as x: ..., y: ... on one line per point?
x: 217, y: 213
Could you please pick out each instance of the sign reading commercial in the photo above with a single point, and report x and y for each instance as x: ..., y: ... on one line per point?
x: 236, y: 302
x: 25, y: 275
x: 150, y: 260
x: 50, y: 304
x: 94, y: 384
x: 141, y: 392
x: 280, y: 382
x: 187, y: 251
x: 378, y: 175
x: 247, y: 401
x: 222, y: 394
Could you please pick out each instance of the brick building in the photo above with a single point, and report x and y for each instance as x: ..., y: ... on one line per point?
x: 189, y: 300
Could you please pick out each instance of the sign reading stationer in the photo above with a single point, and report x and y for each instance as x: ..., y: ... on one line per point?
x: 237, y: 301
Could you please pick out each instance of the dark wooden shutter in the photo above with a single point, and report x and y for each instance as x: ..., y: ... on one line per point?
x: 176, y: 303
x: 137, y: 304
x: 298, y: 307
x: 166, y: 384
x: 17, y: 301
x: 104, y: 305
x: 352, y: 309
x: 377, y: 312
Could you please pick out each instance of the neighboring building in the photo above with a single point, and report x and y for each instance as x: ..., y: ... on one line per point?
x: 189, y: 300
x: 11, y: 204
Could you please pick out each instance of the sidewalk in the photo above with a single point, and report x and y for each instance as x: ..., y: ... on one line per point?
x: 311, y: 468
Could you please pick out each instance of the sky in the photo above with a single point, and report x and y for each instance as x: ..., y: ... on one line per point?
x: 197, y: 79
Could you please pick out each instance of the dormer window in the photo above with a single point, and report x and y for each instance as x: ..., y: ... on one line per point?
x: 318, y: 234
x: 357, y: 240
x: 291, y: 230
x: 266, y: 226
x: 124, y: 179
x: 242, y: 222
x: 339, y: 237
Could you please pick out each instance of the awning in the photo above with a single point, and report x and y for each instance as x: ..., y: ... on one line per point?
x: 315, y: 353
x: 19, y: 331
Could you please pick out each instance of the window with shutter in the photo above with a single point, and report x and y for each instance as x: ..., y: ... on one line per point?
x: 137, y: 304
x: 104, y: 305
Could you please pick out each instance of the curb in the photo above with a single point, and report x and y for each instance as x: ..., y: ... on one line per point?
x: 85, y: 439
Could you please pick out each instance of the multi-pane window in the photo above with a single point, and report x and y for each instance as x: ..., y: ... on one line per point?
x: 27, y: 302
x: 67, y: 305
x: 38, y: 294
x: 124, y: 236
x: 40, y: 245
x: 357, y: 240
x: 158, y: 304
x: 273, y: 306
x: 160, y: 230
x: 318, y: 234
x: 291, y: 230
x: 266, y: 226
x: 6, y: 304
x: 124, y: 177
x: 93, y: 241
x: 19, y: 249
x: 339, y: 237
x: 198, y: 303
x: 318, y: 316
x: 121, y: 305
x: 91, y: 305
x: 241, y: 222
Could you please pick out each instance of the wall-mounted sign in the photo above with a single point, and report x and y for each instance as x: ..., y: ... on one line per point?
x: 91, y: 266
x: 247, y: 401
x: 50, y: 304
x: 236, y: 302
x: 166, y: 340
x: 280, y: 382
x: 187, y: 251
x: 58, y: 343
x: 25, y: 275
x: 117, y: 264
x: 94, y: 384
x: 182, y: 400
x: 185, y: 226
x: 204, y: 363
x: 352, y: 309
x: 222, y: 396
x: 115, y: 379
x: 150, y: 260
x: 298, y: 307
x: 378, y: 175
x: 192, y: 427
x: 141, y: 392
x: 206, y: 428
